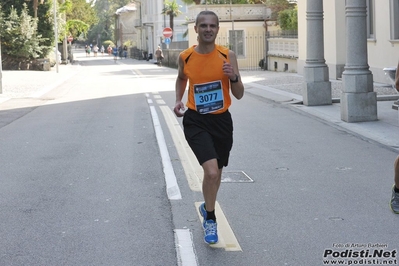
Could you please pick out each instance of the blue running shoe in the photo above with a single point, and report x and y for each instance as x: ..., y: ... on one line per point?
x: 203, y: 213
x: 211, y: 232
x: 394, y: 203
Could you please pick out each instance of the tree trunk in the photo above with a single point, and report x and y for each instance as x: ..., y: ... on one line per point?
x: 35, y: 5
x: 171, y: 23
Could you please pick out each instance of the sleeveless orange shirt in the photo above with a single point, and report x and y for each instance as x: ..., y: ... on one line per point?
x: 209, y: 88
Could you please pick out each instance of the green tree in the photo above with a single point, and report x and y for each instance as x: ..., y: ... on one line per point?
x: 45, y: 22
x: 172, y: 10
x: 277, y: 6
x: 80, y: 16
x: 105, y: 28
x: 20, y: 41
x: 288, y: 19
x: 45, y: 26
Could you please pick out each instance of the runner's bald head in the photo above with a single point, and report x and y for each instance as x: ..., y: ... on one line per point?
x: 204, y: 13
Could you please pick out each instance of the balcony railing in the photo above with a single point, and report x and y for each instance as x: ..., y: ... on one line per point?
x: 292, y: 34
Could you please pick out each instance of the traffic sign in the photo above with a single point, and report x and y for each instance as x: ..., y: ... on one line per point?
x: 167, y: 32
x: 167, y: 41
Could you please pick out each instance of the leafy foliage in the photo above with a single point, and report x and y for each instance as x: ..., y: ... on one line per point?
x: 19, y: 35
x: 45, y: 26
x: 288, y: 19
x: 79, y: 17
x: 75, y: 27
x: 44, y: 22
x: 277, y: 6
x: 104, y: 29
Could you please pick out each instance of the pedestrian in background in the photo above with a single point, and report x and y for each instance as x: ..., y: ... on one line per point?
x: 125, y: 52
x: 212, y: 73
x: 159, y: 55
x: 95, y: 50
x: 115, y: 52
x: 394, y: 204
x: 88, y: 50
x: 120, y: 52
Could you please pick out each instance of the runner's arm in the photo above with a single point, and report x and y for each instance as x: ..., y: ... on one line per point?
x: 237, y: 88
x: 180, y: 88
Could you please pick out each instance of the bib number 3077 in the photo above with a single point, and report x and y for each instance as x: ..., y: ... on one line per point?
x: 208, y: 97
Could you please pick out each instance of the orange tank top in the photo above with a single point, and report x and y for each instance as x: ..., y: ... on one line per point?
x: 209, y: 88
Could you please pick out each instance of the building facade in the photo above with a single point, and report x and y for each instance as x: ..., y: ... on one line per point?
x: 142, y: 23
x: 242, y: 29
x: 382, y: 36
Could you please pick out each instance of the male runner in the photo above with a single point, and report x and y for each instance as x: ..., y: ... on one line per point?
x: 212, y: 72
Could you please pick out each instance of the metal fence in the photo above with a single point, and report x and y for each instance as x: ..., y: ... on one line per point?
x: 249, y: 47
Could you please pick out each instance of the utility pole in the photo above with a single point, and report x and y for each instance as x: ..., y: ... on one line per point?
x: 64, y: 53
x: 56, y: 34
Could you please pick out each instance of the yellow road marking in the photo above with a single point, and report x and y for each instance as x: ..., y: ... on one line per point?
x: 227, y: 239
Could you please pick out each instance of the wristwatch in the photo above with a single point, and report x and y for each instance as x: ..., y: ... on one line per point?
x: 234, y: 81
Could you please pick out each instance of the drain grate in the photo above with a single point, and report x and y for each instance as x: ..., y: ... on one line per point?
x: 236, y: 177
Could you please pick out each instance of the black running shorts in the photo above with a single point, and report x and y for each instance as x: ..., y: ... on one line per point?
x: 210, y: 136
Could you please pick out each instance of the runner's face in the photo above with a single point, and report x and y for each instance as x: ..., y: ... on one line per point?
x: 207, y: 28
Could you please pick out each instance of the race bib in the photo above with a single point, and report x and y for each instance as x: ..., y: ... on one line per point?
x: 208, y: 97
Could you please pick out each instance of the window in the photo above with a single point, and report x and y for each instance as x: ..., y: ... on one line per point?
x: 236, y: 38
x: 370, y: 19
x: 394, y: 18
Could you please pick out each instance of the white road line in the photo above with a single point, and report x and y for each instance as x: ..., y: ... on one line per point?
x: 172, y: 188
x: 185, y: 248
x: 188, y: 160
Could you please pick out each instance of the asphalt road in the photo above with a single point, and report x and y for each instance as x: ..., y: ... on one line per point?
x: 83, y: 180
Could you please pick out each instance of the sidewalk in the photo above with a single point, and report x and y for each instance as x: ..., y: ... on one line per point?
x: 21, y: 84
x: 286, y: 88
x: 280, y: 87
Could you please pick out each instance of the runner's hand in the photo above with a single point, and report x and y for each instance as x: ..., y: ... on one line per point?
x: 228, y: 70
x: 179, y: 109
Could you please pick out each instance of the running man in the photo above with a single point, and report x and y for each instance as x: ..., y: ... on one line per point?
x: 212, y: 72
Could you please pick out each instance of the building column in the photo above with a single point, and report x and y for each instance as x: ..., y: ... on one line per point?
x: 358, y: 100
x: 317, y: 87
